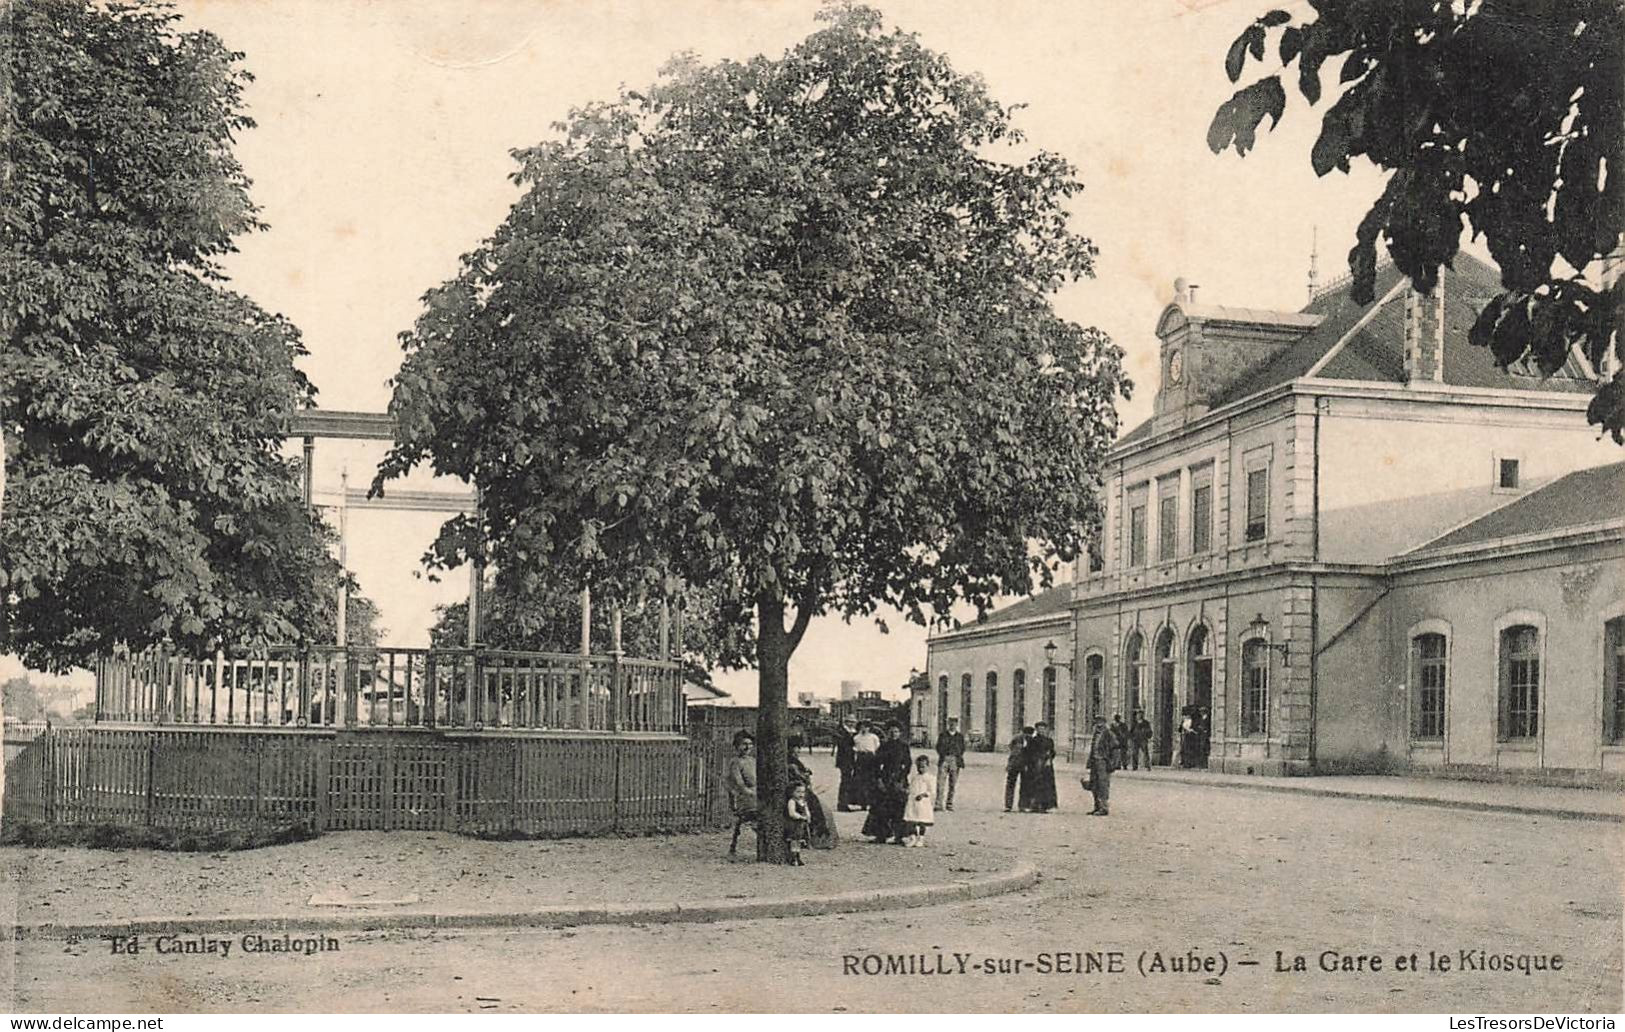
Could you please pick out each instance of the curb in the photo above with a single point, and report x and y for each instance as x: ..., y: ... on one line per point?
x: 1380, y: 797
x: 1022, y: 876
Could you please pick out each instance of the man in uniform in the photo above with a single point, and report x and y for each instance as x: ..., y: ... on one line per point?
x: 1103, y: 749
x: 950, y: 758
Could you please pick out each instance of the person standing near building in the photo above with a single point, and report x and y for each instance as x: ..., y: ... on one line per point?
x: 893, y: 763
x: 1120, y: 732
x: 846, y: 763
x: 864, y: 766
x: 1140, y: 740
x: 1014, y: 764
x: 1103, y: 750
x: 918, y: 813
x: 950, y: 760
x: 1187, y: 737
x: 1038, y: 775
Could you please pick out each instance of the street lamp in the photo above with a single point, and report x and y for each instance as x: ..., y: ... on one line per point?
x: 1259, y: 630
x: 1051, y: 662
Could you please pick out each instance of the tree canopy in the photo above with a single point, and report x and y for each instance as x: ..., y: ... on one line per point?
x: 142, y: 402
x: 1500, y: 116
x: 780, y: 329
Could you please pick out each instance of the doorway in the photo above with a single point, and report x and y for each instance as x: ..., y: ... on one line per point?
x: 1199, y: 653
x: 1162, y: 753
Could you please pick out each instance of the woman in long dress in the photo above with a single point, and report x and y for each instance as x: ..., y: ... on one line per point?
x: 821, y: 833
x: 892, y: 762
x: 1038, y: 777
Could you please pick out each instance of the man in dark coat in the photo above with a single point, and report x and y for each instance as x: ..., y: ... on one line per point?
x: 1038, y: 771
x: 893, y: 762
x: 950, y: 760
x: 1140, y: 742
x: 846, y: 763
x: 1014, y: 764
x: 1120, y: 732
x: 1103, y: 749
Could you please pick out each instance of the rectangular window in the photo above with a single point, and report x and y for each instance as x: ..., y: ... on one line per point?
x: 1136, y: 535
x: 1201, y: 518
x: 1520, y: 683
x: 1613, y: 682
x: 1049, y: 697
x: 1167, y: 518
x: 1507, y: 474
x: 1428, y: 662
x: 1167, y: 527
x: 1258, y: 501
x: 1255, y: 689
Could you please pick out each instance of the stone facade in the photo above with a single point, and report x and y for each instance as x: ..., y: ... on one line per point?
x: 1266, y: 547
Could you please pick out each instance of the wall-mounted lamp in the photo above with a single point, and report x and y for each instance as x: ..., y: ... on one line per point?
x: 1259, y: 629
x: 1051, y: 661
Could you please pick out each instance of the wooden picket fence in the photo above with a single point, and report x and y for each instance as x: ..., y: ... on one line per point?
x: 387, y: 687
x: 480, y: 783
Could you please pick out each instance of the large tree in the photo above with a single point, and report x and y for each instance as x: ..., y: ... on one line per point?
x: 142, y: 403
x: 779, y: 328
x: 1503, y: 117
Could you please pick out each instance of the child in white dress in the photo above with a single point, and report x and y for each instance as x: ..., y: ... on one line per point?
x: 919, y: 812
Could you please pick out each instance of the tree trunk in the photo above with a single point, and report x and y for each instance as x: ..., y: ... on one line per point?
x: 772, y: 738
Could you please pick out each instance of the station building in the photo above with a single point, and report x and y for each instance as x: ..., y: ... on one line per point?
x: 1352, y: 539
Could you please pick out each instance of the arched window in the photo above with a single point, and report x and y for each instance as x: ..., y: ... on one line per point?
x: 1018, y: 700
x: 965, y: 704
x: 942, y: 703
x: 992, y: 711
x: 1094, y: 679
x: 1613, y: 681
x: 1255, y: 688
x: 1133, y: 672
x: 1199, y: 658
x: 1162, y: 722
x: 1429, y: 674
x: 1520, y: 682
x: 1049, y: 696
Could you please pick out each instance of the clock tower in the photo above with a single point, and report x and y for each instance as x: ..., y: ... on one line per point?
x: 1207, y: 350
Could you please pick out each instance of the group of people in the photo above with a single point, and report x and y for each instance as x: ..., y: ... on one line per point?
x: 806, y: 821
x: 1194, y: 729
x: 1029, y: 771
x: 883, y: 777
x: 879, y: 773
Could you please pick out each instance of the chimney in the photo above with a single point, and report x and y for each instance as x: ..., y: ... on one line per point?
x: 1191, y: 290
x: 1424, y: 334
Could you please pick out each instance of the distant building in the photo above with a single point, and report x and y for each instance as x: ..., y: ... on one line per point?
x: 1350, y: 538
x: 851, y: 689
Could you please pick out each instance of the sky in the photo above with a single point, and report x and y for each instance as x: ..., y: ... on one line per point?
x: 381, y: 154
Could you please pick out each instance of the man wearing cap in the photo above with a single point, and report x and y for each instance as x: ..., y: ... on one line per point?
x: 950, y: 758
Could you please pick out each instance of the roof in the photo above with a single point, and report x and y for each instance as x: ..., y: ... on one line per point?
x: 1583, y: 498
x: 1340, y: 314
x: 1045, y: 603
x: 1374, y: 349
x: 1265, y: 316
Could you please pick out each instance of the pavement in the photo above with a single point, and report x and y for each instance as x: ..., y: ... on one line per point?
x: 1571, y: 803
x: 399, y: 880
x: 1248, y: 882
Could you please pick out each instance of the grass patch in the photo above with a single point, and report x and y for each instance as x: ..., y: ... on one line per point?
x: 172, y: 840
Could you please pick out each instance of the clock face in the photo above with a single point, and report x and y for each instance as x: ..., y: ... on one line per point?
x: 1176, y: 367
